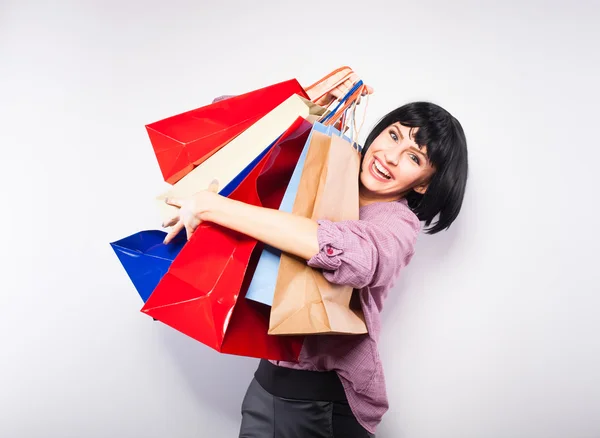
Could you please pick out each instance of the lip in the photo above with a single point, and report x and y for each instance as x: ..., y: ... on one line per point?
x: 376, y: 175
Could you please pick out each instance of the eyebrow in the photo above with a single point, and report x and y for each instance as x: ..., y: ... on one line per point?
x: 418, y: 148
x: 397, y: 126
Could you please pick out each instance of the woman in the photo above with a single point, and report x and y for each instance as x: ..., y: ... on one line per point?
x: 413, y: 170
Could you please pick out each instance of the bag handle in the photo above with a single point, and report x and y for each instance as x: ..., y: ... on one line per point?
x: 327, y: 83
x: 339, y: 115
x: 356, y: 130
x: 352, y: 95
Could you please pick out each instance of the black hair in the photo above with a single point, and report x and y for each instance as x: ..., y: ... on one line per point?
x: 447, y: 152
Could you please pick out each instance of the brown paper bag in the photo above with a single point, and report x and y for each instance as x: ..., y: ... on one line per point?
x: 304, y: 302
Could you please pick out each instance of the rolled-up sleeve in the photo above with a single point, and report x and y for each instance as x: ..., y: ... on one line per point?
x: 223, y: 97
x: 364, y: 253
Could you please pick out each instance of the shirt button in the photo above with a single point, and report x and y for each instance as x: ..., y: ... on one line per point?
x: 329, y: 251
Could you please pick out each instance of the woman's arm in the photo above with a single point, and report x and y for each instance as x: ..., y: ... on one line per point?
x: 287, y: 232
x: 359, y: 253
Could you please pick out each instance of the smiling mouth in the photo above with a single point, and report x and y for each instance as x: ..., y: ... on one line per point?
x: 379, y: 170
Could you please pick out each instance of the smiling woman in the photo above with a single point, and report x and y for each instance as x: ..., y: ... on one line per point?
x: 413, y: 169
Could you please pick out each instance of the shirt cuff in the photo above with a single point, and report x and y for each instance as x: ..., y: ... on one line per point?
x: 331, y: 244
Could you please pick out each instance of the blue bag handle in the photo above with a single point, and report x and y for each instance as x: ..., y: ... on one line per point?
x: 342, y: 101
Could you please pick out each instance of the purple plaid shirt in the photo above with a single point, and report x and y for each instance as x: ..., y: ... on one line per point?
x: 367, y: 254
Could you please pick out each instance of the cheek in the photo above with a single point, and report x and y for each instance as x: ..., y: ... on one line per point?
x: 407, y: 173
x: 367, y: 180
x: 364, y: 163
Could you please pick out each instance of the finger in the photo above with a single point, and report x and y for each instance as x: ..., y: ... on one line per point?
x: 338, y: 93
x: 341, y: 90
x: 174, y: 232
x: 368, y: 90
x: 347, y: 86
x: 175, y: 202
x: 214, y: 186
x: 170, y: 222
x: 340, y: 76
x: 325, y: 100
x: 354, y: 78
x: 349, y: 83
x: 191, y: 225
x: 189, y: 230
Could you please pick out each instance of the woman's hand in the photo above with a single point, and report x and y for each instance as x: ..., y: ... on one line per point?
x: 289, y: 233
x: 340, y: 91
x: 190, y: 211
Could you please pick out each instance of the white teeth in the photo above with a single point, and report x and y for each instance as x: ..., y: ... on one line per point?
x: 382, y: 170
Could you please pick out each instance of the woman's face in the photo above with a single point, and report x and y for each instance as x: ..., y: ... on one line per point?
x: 394, y: 165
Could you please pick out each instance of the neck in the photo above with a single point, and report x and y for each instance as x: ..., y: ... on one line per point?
x: 365, y: 198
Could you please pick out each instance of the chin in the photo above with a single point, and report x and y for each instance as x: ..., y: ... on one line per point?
x: 370, y: 184
x: 377, y: 189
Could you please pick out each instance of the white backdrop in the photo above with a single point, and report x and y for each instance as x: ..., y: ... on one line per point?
x: 492, y: 330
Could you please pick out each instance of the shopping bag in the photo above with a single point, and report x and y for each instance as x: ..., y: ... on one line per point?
x: 262, y: 286
x: 144, y: 256
x: 330, y: 81
x: 230, y: 161
x: 146, y: 259
x: 184, y: 141
x: 304, y: 302
x: 202, y: 294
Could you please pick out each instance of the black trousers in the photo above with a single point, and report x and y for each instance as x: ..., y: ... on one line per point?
x: 284, y: 403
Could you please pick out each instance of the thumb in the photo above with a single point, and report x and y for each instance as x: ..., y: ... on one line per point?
x: 214, y: 186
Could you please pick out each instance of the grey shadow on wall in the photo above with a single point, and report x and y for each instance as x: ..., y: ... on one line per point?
x: 430, y: 252
x: 218, y: 381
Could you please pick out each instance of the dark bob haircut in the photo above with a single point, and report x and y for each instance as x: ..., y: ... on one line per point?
x: 446, y: 146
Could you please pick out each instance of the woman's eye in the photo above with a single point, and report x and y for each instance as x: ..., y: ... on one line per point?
x: 393, y: 135
x: 415, y: 158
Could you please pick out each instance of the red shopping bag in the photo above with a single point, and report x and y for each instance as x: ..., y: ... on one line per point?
x: 200, y: 294
x: 184, y: 141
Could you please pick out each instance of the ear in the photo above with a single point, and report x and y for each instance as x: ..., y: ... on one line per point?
x: 421, y: 189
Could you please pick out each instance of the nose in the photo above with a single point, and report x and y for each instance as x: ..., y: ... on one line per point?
x: 392, y: 155
x: 393, y: 160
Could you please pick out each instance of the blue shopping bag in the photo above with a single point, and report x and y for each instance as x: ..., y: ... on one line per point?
x: 146, y: 259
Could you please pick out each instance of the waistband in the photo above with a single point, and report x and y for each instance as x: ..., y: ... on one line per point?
x: 299, y: 384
